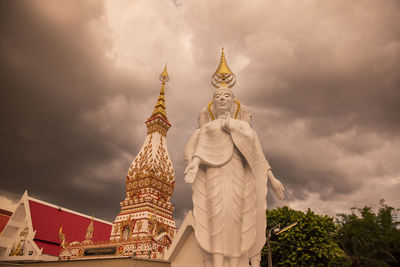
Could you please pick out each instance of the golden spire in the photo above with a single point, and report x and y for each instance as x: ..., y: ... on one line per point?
x: 223, y: 76
x: 160, y: 107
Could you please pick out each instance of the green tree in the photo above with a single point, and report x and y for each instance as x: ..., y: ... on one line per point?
x: 370, y: 239
x: 310, y: 243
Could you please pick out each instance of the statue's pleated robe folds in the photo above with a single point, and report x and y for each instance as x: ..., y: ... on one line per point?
x: 229, y: 191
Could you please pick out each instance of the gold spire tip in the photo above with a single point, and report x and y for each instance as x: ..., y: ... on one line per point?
x: 164, y: 75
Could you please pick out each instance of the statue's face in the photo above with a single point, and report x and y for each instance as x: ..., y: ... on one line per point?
x: 222, y: 100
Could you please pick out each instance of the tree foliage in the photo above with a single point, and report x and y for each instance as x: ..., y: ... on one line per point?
x: 370, y: 239
x: 310, y: 243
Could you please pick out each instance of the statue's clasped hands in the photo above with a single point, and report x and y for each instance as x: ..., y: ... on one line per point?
x: 225, y: 121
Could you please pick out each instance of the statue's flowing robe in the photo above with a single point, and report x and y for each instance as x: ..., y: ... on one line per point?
x: 229, y: 191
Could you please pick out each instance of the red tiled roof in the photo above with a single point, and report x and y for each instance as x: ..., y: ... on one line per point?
x: 4, y: 217
x: 47, y: 220
x: 49, y: 248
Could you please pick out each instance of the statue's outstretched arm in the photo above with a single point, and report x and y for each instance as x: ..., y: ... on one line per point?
x: 277, y: 186
x: 191, y: 170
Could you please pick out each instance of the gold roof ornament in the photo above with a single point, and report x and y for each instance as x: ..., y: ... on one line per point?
x: 90, y: 230
x: 61, y: 236
x: 223, y: 76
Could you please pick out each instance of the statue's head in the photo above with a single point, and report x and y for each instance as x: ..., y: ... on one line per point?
x: 222, y: 100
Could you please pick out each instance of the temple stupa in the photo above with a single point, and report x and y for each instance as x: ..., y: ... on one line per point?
x: 145, y: 227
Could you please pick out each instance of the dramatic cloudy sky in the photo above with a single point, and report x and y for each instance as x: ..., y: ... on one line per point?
x: 79, y: 78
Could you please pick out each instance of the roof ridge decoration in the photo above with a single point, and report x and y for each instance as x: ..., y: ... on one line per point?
x: 61, y: 236
x: 223, y: 76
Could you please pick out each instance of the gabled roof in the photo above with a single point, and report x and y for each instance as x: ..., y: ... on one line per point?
x: 48, y: 218
x: 4, y: 217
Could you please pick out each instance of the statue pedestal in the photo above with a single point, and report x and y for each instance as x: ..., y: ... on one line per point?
x: 184, y: 250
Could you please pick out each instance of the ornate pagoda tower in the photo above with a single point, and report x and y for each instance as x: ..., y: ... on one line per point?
x: 145, y: 224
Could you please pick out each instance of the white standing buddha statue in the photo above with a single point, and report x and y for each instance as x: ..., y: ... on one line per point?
x: 229, y: 173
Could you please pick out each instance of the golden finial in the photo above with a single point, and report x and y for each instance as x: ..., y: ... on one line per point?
x: 12, y: 253
x: 18, y: 251
x: 223, y: 76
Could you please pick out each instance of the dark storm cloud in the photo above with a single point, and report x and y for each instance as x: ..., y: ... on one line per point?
x: 323, y: 83
x: 338, y: 69
x: 321, y: 78
x: 53, y: 73
x: 337, y: 76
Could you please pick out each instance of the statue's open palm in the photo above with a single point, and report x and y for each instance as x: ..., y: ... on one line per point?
x: 191, y: 170
x: 277, y: 186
